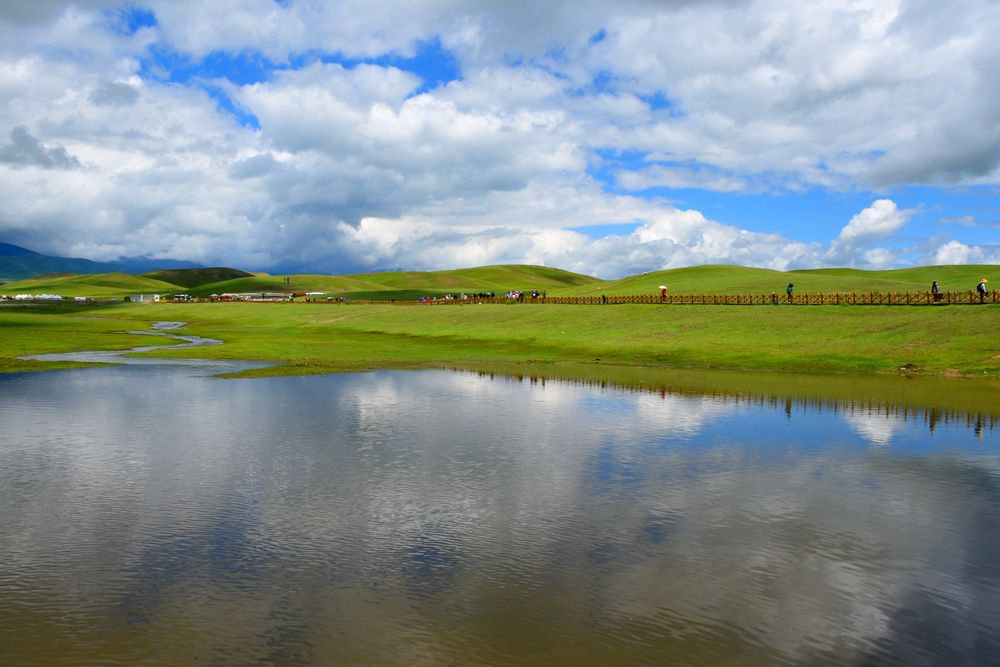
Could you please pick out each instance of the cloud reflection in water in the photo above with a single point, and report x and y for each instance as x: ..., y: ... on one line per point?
x: 434, y: 517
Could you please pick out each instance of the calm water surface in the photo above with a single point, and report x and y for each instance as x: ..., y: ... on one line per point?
x: 152, y: 515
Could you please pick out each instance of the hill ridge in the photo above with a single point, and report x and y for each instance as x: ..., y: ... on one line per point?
x: 17, y: 263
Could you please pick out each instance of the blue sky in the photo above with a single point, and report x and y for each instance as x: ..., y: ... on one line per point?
x: 602, y: 137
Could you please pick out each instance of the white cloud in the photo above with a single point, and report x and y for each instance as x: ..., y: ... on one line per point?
x: 871, y: 226
x: 875, y: 223
x: 955, y: 252
x: 359, y: 166
x: 42, y: 11
x: 24, y: 149
x: 672, y: 238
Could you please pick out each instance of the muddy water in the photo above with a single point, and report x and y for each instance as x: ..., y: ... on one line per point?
x: 152, y: 515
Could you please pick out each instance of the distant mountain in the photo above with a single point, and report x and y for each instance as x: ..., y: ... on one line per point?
x: 17, y: 263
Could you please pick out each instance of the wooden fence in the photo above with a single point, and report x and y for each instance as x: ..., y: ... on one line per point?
x: 832, y: 299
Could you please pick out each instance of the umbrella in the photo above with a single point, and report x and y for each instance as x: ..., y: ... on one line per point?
x: 663, y: 287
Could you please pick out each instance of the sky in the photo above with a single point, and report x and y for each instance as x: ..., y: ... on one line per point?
x: 604, y: 137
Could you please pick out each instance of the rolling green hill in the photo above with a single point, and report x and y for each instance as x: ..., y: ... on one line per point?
x: 411, y: 285
x: 188, y: 278
x: 741, y: 280
x: 100, y: 285
x: 299, y: 283
x: 505, y: 277
x: 408, y: 285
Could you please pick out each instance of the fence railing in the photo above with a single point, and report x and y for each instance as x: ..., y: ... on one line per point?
x: 804, y: 299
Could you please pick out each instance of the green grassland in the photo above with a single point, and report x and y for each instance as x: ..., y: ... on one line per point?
x: 26, y: 330
x: 332, y: 337
x: 399, y: 285
x: 319, y: 338
x: 482, y: 278
x: 119, y: 285
x: 408, y: 285
x: 411, y: 285
x: 100, y: 285
x: 742, y: 280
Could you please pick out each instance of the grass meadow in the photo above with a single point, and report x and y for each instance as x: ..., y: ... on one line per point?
x: 301, y: 338
x: 411, y: 285
x: 329, y: 337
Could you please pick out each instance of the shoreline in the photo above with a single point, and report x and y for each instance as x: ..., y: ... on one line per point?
x: 300, y: 339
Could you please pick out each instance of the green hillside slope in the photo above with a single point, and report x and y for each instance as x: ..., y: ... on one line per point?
x: 101, y: 285
x: 711, y: 279
x: 188, y: 278
x: 299, y: 283
x: 411, y: 285
x: 497, y: 277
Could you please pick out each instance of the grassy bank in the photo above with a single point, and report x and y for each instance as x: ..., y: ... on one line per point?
x: 319, y: 338
x: 883, y: 394
x: 43, y: 329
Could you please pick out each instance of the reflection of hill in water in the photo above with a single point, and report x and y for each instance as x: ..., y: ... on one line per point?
x: 971, y: 404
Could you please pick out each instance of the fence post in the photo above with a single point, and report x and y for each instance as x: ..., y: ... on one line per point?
x: 971, y: 297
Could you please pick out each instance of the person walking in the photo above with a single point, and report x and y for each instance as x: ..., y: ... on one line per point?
x: 788, y: 291
x: 981, y: 288
x: 936, y: 291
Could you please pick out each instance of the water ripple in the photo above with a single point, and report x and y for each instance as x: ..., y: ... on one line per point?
x: 158, y: 517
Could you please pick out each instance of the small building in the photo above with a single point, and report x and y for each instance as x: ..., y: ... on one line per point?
x: 143, y: 298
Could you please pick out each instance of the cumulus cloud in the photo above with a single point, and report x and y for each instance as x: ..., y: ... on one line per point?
x: 955, y: 252
x: 113, y: 93
x: 42, y: 11
x: 671, y: 239
x: 873, y: 225
x: 25, y: 150
x: 347, y: 151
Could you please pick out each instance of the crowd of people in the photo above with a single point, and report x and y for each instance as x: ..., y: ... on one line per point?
x: 517, y: 295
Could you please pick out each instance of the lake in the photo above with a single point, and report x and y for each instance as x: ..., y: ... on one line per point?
x: 153, y: 514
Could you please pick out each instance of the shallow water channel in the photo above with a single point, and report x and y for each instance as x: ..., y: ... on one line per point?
x: 152, y: 514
